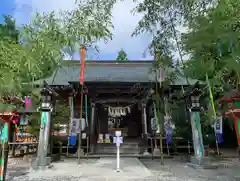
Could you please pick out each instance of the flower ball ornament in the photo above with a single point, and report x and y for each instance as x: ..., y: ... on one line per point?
x: 28, y: 102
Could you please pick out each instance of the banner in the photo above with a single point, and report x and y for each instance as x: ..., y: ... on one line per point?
x: 82, y: 57
x: 74, y: 127
x: 168, y: 133
x: 218, y: 128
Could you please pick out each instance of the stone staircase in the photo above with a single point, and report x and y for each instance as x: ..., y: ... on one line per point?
x: 125, y: 148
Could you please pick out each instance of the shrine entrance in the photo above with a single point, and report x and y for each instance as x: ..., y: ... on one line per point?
x: 124, y: 117
x: 118, y: 107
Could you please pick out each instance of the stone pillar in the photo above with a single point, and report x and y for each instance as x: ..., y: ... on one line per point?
x: 197, y: 134
x: 42, y: 159
x: 92, y: 127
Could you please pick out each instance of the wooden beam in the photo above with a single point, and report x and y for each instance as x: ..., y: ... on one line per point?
x: 116, y: 100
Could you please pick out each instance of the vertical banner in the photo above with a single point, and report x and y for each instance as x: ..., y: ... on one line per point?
x: 83, y: 57
x: 168, y: 132
x: 74, y: 127
x: 218, y: 128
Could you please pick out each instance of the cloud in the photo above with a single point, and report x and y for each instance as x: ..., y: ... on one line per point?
x: 124, y: 23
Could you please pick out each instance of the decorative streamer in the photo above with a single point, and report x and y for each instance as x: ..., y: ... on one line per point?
x: 28, y: 102
x: 214, y: 110
x: 211, y: 95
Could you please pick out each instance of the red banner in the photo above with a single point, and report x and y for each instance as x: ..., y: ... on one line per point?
x: 82, y: 58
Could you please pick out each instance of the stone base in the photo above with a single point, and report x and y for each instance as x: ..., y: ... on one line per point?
x: 81, y: 153
x: 156, y: 152
x: 146, y: 153
x: 46, y: 163
x: 202, y: 162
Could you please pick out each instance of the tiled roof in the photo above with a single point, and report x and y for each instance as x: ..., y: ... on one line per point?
x: 106, y: 71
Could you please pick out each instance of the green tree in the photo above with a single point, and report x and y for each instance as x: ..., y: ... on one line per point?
x: 213, y: 46
x: 46, y: 40
x: 122, y: 56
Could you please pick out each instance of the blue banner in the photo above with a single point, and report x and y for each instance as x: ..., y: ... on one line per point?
x: 219, y: 138
x: 168, y: 132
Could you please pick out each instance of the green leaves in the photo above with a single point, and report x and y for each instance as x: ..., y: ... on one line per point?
x: 35, y: 50
x: 122, y: 56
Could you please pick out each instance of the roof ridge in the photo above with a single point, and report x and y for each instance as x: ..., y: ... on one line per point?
x: 112, y: 62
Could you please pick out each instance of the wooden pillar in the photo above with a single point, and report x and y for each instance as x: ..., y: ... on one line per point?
x: 144, y: 128
x: 92, y: 123
x: 144, y: 120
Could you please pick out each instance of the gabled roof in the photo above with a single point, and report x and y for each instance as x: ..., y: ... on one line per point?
x: 103, y: 71
x: 106, y: 71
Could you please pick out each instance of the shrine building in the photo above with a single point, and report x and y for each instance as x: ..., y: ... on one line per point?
x: 117, y: 97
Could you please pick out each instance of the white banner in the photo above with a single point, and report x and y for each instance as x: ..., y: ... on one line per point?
x: 218, y: 127
x: 74, y: 127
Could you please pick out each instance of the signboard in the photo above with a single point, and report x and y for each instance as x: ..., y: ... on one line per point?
x: 118, y: 140
x: 154, y: 124
x: 218, y: 125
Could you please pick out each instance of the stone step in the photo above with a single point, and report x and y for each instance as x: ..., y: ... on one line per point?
x: 114, y: 145
x: 124, y: 148
x: 122, y: 151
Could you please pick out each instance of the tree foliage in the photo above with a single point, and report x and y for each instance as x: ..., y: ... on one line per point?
x: 213, y: 45
x: 122, y: 56
x: 43, y: 43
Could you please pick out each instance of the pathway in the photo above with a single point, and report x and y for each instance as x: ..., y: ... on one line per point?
x: 132, y: 169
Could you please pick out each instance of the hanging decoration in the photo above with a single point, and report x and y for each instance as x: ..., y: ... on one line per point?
x: 28, y: 102
x: 118, y: 111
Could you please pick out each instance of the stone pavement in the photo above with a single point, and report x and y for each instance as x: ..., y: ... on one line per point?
x: 179, y: 171
x: 132, y: 169
x: 88, y: 170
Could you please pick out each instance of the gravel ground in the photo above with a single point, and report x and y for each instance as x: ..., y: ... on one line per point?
x: 131, y: 169
x: 179, y: 171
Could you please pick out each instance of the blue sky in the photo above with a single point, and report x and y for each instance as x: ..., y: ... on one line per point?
x: 123, y: 20
x: 7, y: 7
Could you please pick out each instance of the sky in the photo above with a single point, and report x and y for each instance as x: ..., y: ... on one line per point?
x: 123, y: 20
